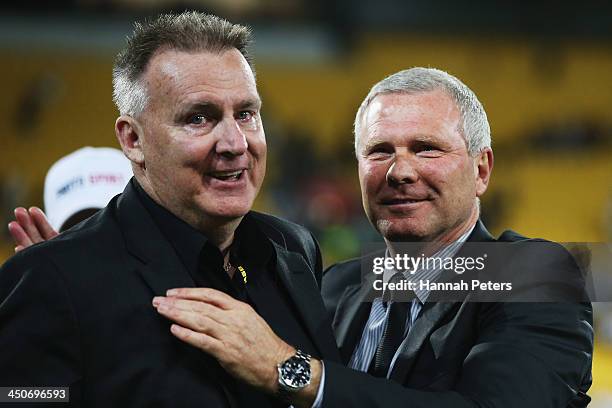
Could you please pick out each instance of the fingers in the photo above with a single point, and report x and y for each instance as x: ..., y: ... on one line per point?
x: 193, y: 306
x: 20, y: 237
x: 208, y: 295
x: 42, y: 224
x: 24, y: 219
x: 31, y: 227
x: 196, y: 321
x: 199, y: 340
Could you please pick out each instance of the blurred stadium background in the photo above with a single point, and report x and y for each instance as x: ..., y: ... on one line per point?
x: 542, y: 70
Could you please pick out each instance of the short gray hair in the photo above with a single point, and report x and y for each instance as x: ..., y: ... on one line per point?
x: 474, y: 124
x: 188, y: 31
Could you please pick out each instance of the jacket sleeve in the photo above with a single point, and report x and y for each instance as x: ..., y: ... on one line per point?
x: 39, y: 338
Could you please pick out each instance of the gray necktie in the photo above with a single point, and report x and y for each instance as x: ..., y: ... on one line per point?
x: 393, y: 335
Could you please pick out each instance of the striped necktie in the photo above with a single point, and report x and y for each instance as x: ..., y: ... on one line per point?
x: 393, y: 335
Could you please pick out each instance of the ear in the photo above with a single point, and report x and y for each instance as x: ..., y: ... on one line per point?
x: 484, y: 167
x: 129, y: 133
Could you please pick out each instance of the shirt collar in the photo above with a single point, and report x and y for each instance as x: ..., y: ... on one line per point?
x: 432, y: 275
x: 250, y: 244
x: 186, y: 240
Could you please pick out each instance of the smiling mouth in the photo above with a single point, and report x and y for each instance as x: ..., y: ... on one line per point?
x: 396, y: 201
x: 228, y: 175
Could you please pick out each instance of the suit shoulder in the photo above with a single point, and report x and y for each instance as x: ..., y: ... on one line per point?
x: 285, y: 233
x: 540, y: 269
x: 95, y: 234
x: 293, y: 237
x: 353, y: 265
x: 31, y: 269
x: 541, y: 246
x: 347, y: 265
x: 340, y: 275
x: 281, y: 225
x: 513, y: 236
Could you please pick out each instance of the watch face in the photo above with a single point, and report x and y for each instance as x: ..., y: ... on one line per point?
x: 295, y: 373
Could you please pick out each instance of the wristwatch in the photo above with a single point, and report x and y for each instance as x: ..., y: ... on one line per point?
x: 293, y: 374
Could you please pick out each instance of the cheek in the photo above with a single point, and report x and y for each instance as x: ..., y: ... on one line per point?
x: 164, y: 147
x: 372, y: 176
x: 258, y: 151
x: 446, y: 173
x: 457, y: 183
x: 192, y: 153
x: 258, y: 147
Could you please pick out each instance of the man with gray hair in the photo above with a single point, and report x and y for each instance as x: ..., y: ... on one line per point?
x: 424, y: 157
x: 423, y: 147
x: 88, y: 308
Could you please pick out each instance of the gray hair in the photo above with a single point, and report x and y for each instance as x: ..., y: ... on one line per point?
x: 474, y: 124
x: 188, y: 31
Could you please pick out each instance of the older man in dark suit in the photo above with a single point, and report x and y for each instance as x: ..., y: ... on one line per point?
x: 78, y: 310
x: 423, y: 147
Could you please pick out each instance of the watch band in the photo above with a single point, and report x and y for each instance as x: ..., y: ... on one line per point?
x: 288, y: 372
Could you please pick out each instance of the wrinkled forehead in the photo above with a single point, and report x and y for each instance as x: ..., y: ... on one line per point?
x: 431, y: 113
x: 174, y: 72
x: 385, y: 107
x: 434, y: 104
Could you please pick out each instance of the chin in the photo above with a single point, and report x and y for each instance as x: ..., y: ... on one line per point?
x: 230, y: 214
x: 400, y: 230
x: 229, y: 211
x: 224, y: 206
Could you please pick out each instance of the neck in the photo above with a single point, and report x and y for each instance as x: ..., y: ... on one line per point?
x: 219, y: 231
x: 223, y: 236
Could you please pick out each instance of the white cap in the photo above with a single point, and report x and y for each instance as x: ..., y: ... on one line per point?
x: 86, y: 178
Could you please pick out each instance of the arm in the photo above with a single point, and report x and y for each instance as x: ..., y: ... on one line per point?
x: 526, y: 354
x: 39, y: 340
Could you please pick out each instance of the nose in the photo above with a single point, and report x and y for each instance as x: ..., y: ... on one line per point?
x: 402, y: 171
x: 232, y: 141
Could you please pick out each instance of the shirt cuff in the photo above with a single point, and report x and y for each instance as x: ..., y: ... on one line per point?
x: 319, y: 400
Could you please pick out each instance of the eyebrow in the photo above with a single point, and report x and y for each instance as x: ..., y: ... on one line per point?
x: 188, y: 109
x: 215, y: 107
x: 198, y: 106
x: 373, y: 143
x: 420, y: 138
x: 248, y: 104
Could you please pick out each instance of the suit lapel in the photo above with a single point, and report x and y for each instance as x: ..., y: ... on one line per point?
x: 423, y: 326
x: 299, y: 281
x: 431, y: 315
x: 152, y: 255
x: 350, y: 319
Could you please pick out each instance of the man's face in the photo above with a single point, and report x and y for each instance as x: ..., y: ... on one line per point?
x: 418, y: 182
x: 203, y: 141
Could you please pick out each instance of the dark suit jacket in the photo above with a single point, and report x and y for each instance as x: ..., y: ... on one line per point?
x: 468, y: 354
x: 76, y: 311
